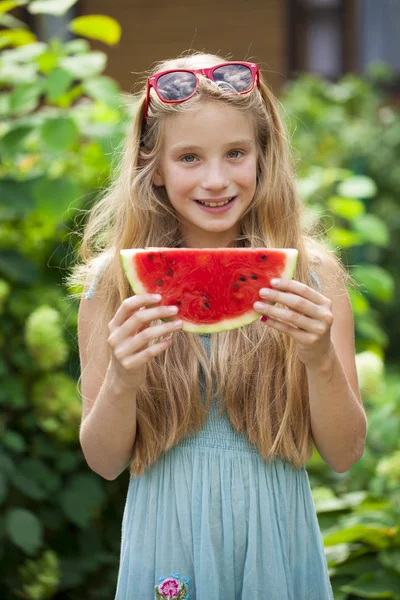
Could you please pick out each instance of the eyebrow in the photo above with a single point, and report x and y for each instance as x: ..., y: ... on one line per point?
x: 193, y: 148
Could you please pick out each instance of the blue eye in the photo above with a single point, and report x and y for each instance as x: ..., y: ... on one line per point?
x: 236, y: 153
x: 188, y: 158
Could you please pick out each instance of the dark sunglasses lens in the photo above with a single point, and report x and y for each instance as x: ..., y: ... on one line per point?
x: 176, y: 85
x: 238, y: 77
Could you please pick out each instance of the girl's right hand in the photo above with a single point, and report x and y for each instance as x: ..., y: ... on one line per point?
x: 130, y: 334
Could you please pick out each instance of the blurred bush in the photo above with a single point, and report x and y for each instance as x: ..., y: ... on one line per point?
x: 61, y: 122
x: 346, y: 137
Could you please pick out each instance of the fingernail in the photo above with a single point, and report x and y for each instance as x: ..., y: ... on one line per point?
x: 275, y: 281
x: 265, y: 292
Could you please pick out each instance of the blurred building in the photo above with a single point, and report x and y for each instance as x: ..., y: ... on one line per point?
x: 286, y: 37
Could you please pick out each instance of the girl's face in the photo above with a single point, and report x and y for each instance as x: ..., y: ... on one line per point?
x: 209, y: 155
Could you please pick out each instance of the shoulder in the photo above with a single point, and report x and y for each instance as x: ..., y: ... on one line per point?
x: 97, y: 268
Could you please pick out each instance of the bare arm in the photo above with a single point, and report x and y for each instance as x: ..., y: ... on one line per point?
x: 108, y: 425
x: 109, y: 386
x: 338, y: 419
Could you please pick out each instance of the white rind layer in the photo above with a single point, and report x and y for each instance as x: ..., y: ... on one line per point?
x: 232, y: 323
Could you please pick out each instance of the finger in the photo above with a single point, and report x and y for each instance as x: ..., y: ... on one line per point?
x: 297, y: 334
x: 139, y: 359
x: 287, y: 316
x: 132, y: 304
x: 140, y: 341
x: 141, y: 320
x: 288, y: 290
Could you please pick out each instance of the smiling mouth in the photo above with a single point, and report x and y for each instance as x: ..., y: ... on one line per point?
x: 215, y: 204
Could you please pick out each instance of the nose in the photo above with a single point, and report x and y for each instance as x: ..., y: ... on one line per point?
x: 215, y: 178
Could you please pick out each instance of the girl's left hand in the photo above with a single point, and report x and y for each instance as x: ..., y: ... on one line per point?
x: 308, y: 318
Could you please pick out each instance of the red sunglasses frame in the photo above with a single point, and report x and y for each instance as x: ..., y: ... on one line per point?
x: 207, y: 72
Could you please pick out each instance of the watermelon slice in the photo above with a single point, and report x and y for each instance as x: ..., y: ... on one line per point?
x: 214, y: 288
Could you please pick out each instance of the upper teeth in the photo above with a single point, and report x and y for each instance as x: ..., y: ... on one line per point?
x: 216, y: 203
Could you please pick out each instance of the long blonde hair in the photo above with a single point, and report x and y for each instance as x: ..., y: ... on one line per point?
x: 259, y: 380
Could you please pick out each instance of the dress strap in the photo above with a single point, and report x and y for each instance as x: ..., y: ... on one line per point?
x: 314, y: 277
x: 99, y: 266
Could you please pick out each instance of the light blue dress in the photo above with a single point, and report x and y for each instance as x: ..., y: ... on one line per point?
x: 211, y: 520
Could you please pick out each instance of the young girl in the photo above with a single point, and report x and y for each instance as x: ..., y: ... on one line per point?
x: 216, y: 428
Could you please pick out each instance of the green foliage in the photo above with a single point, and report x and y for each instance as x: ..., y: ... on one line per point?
x: 346, y: 137
x: 361, y: 529
x: 347, y: 143
x: 44, y: 338
x: 61, y: 120
x: 40, y: 578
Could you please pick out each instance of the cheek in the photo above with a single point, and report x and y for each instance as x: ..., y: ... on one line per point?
x: 248, y: 176
x: 180, y: 181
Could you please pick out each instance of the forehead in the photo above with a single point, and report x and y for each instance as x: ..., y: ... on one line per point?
x: 210, y: 124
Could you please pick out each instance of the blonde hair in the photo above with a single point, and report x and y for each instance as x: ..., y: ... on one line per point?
x: 260, y: 382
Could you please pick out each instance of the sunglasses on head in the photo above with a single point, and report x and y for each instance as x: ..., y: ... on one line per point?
x: 178, y: 85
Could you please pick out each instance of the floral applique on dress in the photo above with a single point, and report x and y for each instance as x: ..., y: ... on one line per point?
x: 172, y: 587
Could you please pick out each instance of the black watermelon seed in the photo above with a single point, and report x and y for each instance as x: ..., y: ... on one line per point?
x: 242, y: 278
x: 160, y: 282
x: 235, y: 286
x: 253, y: 276
x: 151, y: 256
x: 206, y: 304
x: 263, y: 257
x: 179, y: 303
x: 170, y: 272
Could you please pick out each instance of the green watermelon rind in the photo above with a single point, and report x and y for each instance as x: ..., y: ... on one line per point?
x: 224, y: 325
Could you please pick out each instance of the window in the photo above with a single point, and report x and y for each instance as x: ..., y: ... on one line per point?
x: 320, y: 34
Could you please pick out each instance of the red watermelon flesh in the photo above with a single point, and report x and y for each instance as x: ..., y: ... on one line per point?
x: 214, y: 288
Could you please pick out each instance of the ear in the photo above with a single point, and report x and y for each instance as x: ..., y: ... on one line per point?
x: 158, y: 179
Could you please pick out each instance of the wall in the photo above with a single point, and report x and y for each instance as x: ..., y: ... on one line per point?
x: 153, y: 30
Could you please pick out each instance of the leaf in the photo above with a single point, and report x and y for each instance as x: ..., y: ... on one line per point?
x: 371, y: 331
x: 57, y: 83
x: 25, y: 97
x: 358, y: 186
x: 377, y: 537
x: 97, y: 27
x: 5, y: 104
x: 84, y: 65
x: 24, y: 54
x: 14, y: 441
x: 78, y: 46
x: 372, y: 230
x: 82, y: 499
x: 7, y: 5
x: 24, y: 529
x: 59, y: 134
x: 16, y: 37
x: 380, y: 584
x: 104, y: 89
x: 390, y: 559
x: 12, y: 142
x: 16, y: 198
x: 378, y: 282
x: 14, y: 73
x: 17, y: 269
x: 50, y: 7
x: 344, y: 237
x: 55, y: 196
x: 347, y: 208
x: 3, y: 488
